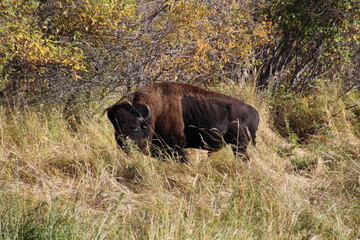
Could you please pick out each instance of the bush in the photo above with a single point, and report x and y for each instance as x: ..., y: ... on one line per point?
x: 66, y: 51
x: 298, y: 115
x: 327, y: 104
x: 59, y: 51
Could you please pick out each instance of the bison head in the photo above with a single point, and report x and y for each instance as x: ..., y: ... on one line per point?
x: 131, y: 121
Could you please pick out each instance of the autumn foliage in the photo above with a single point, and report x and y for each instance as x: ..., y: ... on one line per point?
x: 63, y: 50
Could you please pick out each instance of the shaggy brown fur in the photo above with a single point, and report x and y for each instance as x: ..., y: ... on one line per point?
x: 185, y: 115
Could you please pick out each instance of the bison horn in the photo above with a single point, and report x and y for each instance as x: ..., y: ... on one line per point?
x: 128, y: 102
x: 147, y: 117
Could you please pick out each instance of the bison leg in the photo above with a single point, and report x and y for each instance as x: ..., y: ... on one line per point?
x: 239, y: 138
x: 177, y: 143
x: 240, y: 151
x: 171, y: 146
x: 161, y: 150
x: 181, y: 155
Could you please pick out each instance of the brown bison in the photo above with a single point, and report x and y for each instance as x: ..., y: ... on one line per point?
x: 175, y: 116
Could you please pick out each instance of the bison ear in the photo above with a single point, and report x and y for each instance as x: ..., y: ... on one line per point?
x: 143, y: 110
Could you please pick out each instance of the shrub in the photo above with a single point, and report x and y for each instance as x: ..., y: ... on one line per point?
x: 328, y: 104
x: 298, y: 115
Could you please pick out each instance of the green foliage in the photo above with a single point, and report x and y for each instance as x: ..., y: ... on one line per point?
x: 66, y: 50
x: 298, y: 117
x: 302, y: 164
x: 46, y: 46
x: 311, y: 38
x: 70, y: 51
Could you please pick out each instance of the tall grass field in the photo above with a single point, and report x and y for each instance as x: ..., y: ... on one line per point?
x: 63, y: 177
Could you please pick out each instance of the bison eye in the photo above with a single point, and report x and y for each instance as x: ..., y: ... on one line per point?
x: 135, y: 129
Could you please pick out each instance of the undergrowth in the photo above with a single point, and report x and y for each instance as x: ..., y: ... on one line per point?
x: 61, y: 182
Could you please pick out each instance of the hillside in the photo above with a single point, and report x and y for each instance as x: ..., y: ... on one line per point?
x: 64, y: 179
x: 63, y: 62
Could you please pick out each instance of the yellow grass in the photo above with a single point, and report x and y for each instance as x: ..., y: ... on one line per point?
x: 57, y: 182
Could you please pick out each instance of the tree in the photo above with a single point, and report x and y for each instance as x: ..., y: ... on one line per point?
x: 311, y: 39
x: 56, y: 51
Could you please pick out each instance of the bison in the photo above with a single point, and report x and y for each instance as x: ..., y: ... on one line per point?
x: 173, y: 115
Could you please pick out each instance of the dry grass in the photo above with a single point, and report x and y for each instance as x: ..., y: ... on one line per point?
x: 61, y: 183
